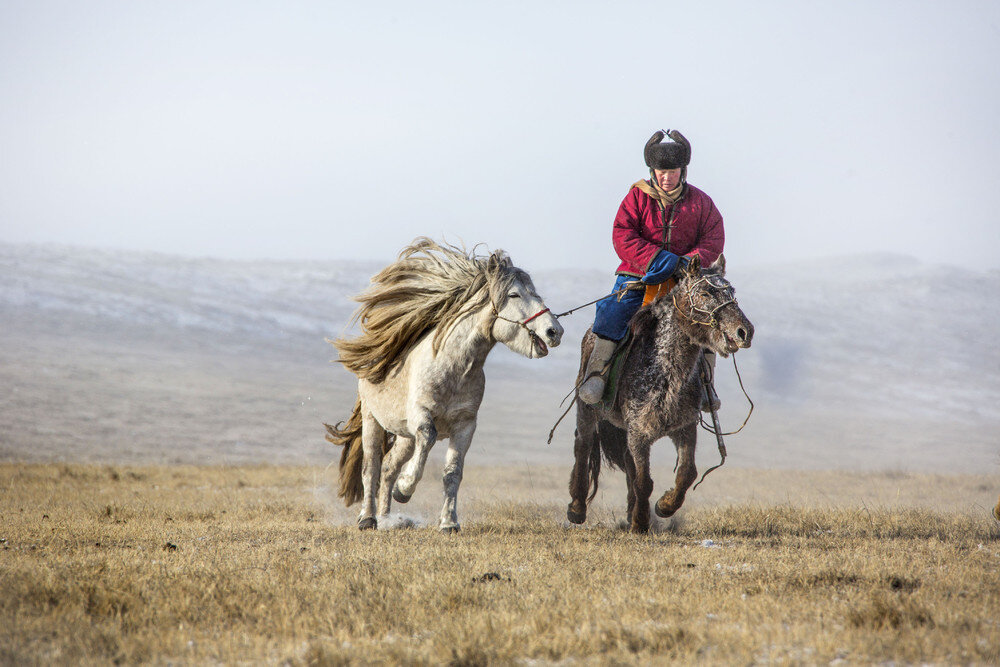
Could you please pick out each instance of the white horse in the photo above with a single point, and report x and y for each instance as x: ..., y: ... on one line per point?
x: 428, y: 322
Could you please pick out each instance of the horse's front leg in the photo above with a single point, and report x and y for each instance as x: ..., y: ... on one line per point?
x: 372, y: 441
x: 454, y: 465
x: 426, y: 436
x: 642, y: 484
x: 392, y: 464
x: 685, y: 441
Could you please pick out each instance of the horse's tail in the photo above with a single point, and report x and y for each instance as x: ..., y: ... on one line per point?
x: 614, y: 444
x: 348, y: 435
x: 594, y: 469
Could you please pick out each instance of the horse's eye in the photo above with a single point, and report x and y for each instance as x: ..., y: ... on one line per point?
x: 513, y: 295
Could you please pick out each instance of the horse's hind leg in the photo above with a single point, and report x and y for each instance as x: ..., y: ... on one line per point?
x: 372, y: 442
x: 630, y: 486
x: 454, y: 465
x: 672, y: 500
x: 391, y: 465
x: 583, y: 449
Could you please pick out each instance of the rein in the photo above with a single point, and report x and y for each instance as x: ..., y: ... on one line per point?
x: 739, y: 377
x: 715, y: 427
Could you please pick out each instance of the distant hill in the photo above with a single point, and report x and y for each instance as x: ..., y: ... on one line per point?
x: 866, y: 340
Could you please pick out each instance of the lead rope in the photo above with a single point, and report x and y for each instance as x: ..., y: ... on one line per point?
x: 618, y: 293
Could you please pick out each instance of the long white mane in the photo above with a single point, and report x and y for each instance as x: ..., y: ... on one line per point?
x: 429, y: 287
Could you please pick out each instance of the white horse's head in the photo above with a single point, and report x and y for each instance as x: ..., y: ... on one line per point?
x: 523, y: 322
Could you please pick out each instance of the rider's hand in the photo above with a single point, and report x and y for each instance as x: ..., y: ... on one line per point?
x: 662, y: 267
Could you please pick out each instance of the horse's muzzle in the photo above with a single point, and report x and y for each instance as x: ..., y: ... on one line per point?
x: 744, y: 335
x: 553, y: 334
x: 550, y: 337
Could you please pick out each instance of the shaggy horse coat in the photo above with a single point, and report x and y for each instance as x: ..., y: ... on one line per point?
x: 658, y: 392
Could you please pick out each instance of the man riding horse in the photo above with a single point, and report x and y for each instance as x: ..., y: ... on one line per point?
x: 662, y: 223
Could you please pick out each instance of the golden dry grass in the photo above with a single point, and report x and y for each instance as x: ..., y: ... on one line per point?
x: 207, y: 565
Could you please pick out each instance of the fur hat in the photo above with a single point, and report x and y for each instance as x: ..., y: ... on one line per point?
x: 667, y: 150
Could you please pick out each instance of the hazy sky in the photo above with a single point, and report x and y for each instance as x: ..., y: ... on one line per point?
x: 329, y: 130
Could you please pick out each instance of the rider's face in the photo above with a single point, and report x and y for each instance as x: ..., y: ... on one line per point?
x: 667, y: 179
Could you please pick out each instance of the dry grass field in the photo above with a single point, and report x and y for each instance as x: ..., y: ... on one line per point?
x: 196, y: 564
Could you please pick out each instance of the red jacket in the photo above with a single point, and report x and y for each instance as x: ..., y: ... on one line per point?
x: 640, y: 229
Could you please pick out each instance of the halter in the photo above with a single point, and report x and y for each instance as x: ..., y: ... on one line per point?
x: 521, y: 323
x: 689, y: 291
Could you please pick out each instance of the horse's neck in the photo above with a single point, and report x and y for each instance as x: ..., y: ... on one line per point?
x: 466, y: 346
x: 676, y: 353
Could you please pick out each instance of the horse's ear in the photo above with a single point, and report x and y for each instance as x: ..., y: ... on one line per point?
x: 694, y: 265
x: 719, y: 265
x: 498, y: 261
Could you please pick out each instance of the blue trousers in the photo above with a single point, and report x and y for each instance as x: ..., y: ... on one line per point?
x: 614, y: 312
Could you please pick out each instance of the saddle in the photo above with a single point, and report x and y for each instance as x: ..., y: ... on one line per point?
x: 614, y: 370
x: 618, y: 357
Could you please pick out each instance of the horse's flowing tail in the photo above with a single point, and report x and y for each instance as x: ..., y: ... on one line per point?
x: 613, y: 443
x: 348, y: 435
x: 594, y: 469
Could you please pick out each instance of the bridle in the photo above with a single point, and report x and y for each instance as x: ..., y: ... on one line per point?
x: 710, y: 314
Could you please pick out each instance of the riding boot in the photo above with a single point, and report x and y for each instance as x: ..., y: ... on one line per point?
x: 593, y: 389
x: 709, y: 399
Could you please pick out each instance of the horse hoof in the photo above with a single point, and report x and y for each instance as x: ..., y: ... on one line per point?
x: 664, y: 512
x: 398, y: 496
x: 451, y: 530
x: 367, y: 523
x: 575, y: 517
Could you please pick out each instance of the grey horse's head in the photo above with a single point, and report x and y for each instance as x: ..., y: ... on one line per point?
x: 522, y: 321
x: 709, y: 313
